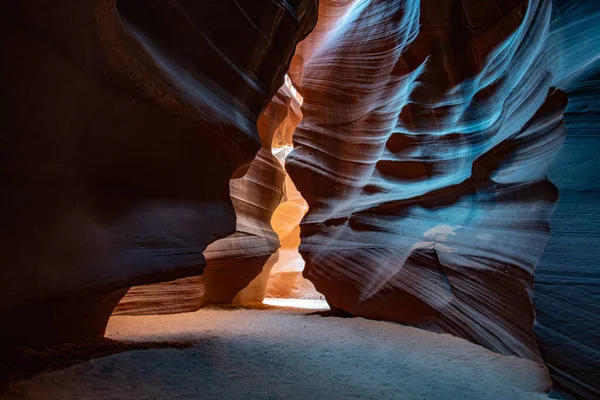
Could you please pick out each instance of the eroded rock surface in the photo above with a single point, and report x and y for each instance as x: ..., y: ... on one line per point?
x: 124, y: 122
x: 429, y: 129
x: 331, y: 14
x: 235, y: 261
x: 567, y: 278
x: 285, y: 279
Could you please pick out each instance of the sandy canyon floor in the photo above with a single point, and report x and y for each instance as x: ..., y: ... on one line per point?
x: 284, y: 353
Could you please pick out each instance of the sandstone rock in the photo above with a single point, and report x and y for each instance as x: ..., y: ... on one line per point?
x: 567, y: 278
x: 411, y: 157
x: 235, y: 261
x: 428, y: 133
x: 286, y: 280
x: 331, y: 13
x: 124, y: 122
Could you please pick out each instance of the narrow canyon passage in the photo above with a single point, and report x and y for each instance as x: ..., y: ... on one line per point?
x: 286, y: 286
x: 281, y: 281
x: 285, y: 279
x: 277, y: 353
x: 300, y: 199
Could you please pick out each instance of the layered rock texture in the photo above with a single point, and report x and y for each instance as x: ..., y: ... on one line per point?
x: 124, y: 122
x: 330, y: 13
x: 285, y: 279
x: 567, y: 278
x: 235, y: 261
x: 445, y: 169
x: 424, y: 154
x: 248, y: 265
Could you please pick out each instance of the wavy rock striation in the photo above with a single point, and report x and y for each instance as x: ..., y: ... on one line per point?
x: 285, y: 279
x: 567, y: 278
x: 429, y: 129
x: 235, y: 261
x: 331, y: 12
x: 126, y: 120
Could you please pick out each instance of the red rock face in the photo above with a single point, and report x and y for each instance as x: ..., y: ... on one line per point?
x: 331, y: 12
x: 125, y: 122
x: 427, y: 134
x: 233, y: 262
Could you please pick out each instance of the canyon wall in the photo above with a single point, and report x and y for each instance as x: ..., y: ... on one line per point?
x: 426, y: 158
x: 430, y: 155
x: 123, y: 123
x: 330, y: 13
x: 567, y: 278
x: 235, y: 261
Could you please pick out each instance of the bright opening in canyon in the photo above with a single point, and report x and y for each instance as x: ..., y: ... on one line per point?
x: 286, y: 286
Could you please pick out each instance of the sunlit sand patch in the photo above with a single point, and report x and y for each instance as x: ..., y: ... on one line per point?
x: 309, y: 304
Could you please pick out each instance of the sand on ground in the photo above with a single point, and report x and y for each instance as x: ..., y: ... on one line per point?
x: 282, y: 353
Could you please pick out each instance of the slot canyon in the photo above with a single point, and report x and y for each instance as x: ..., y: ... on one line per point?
x: 300, y: 199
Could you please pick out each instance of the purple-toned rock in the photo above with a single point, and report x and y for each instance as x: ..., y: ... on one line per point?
x: 124, y: 122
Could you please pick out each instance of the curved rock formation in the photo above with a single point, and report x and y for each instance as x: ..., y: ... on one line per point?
x: 331, y: 12
x: 245, y: 259
x: 424, y: 155
x: 428, y: 132
x: 567, y: 278
x: 232, y: 262
x: 235, y: 261
x: 285, y: 279
x: 126, y: 120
